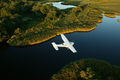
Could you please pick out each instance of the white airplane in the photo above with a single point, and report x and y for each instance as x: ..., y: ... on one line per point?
x: 66, y: 44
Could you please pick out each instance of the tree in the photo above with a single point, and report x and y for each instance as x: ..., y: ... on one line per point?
x: 88, y: 69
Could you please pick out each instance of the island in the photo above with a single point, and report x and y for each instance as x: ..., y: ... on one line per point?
x: 118, y: 20
x: 88, y: 69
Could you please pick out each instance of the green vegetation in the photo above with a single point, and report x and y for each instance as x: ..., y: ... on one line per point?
x: 88, y: 69
x: 28, y: 22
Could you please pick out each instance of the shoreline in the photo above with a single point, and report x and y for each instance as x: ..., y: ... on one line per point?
x: 66, y: 32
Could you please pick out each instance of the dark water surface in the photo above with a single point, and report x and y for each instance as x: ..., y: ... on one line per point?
x: 40, y: 61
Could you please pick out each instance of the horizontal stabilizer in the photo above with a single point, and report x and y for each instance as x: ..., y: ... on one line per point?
x: 55, y: 46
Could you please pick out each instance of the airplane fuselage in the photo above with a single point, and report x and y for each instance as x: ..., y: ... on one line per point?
x: 66, y: 44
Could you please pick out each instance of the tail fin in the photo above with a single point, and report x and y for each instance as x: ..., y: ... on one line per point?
x: 55, y: 46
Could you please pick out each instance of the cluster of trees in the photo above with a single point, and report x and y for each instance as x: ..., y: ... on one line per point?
x: 25, y: 21
x: 11, y: 16
x: 88, y: 69
x: 54, y: 21
x: 23, y: 14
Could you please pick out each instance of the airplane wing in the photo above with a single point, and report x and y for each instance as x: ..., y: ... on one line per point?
x: 64, y: 39
x: 72, y: 48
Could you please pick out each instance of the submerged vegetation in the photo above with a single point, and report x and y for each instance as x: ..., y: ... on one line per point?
x: 28, y: 22
x: 88, y: 69
x: 118, y: 20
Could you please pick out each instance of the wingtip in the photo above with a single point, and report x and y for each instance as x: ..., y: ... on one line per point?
x: 75, y: 52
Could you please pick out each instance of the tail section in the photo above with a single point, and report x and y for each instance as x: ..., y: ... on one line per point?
x: 55, y: 46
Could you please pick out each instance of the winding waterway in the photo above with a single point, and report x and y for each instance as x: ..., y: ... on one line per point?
x: 39, y: 62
